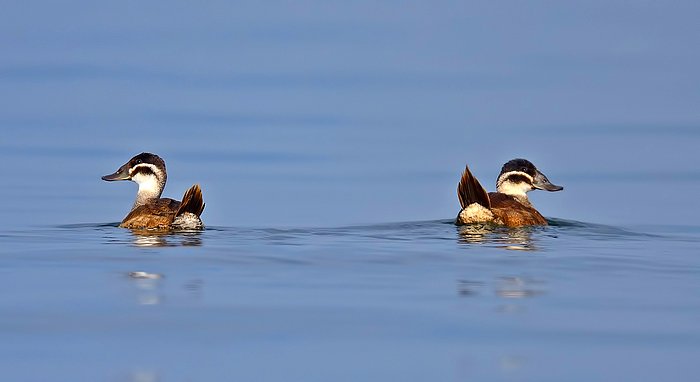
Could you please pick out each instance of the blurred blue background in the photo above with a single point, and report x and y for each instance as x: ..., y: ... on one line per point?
x: 312, y: 113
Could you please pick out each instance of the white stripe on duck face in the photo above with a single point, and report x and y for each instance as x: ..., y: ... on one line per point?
x: 515, y: 188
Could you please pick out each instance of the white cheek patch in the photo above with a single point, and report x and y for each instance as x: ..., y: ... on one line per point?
x: 147, y: 183
x: 505, y: 186
x: 510, y: 188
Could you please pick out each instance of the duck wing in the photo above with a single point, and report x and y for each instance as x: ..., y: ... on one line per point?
x: 512, y: 213
x: 158, y: 213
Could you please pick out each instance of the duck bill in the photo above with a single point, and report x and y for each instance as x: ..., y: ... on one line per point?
x: 121, y: 174
x: 542, y: 183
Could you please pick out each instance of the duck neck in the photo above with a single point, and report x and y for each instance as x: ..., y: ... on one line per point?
x: 150, y: 188
x: 516, y: 190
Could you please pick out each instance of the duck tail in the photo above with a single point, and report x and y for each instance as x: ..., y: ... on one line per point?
x: 192, y: 201
x: 470, y: 191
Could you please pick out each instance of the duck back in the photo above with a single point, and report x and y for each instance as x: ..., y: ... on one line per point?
x: 509, y: 211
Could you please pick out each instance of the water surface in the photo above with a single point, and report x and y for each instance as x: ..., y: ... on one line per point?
x: 410, y: 300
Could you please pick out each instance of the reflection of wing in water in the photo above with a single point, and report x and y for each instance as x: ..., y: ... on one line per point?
x: 519, y: 238
x: 169, y: 238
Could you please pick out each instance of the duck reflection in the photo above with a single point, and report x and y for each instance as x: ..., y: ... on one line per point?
x: 516, y: 287
x: 516, y: 239
x: 507, y: 287
x: 142, y: 376
x: 513, y: 290
x: 168, y: 238
x: 148, y: 287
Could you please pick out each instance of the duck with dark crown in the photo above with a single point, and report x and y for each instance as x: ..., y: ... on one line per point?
x: 150, y: 211
x: 509, y: 205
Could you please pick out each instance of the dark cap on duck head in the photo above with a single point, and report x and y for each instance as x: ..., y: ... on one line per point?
x: 144, y: 162
x: 539, y: 180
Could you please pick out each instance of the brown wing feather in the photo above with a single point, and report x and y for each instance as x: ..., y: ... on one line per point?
x: 192, y: 201
x: 158, y: 213
x: 470, y: 191
x: 510, y: 212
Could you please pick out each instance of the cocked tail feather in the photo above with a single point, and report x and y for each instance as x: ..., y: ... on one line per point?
x: 470, y: 191
x: 192, y: 202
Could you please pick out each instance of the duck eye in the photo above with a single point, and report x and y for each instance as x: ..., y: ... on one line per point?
x: 139, y: 161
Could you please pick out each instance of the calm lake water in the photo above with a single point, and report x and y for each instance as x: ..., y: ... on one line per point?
x: 329, y: 140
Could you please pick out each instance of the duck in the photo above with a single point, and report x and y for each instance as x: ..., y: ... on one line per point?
x: 150, y: 211
x: 509, y: 205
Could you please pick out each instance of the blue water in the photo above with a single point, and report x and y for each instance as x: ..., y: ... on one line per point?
x: 329, y: 139
x: 414, y: 301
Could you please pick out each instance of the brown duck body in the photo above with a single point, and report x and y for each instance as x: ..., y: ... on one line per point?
x: 165, y: 213
x: 509, y: 206
x: 509, y: 211
x: 158, y: 213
